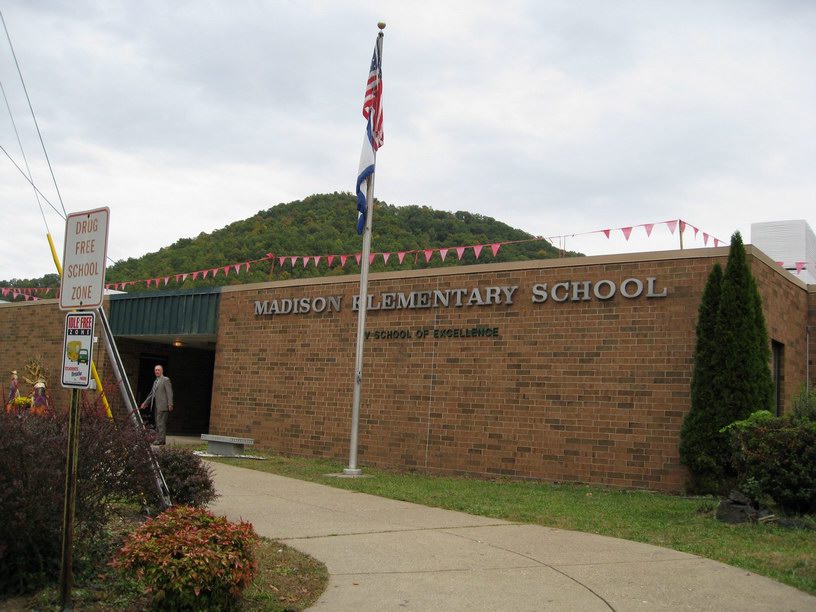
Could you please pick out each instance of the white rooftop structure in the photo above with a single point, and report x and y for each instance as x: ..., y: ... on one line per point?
x: 792, y: 244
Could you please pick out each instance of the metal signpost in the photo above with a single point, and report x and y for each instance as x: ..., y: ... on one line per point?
x: 82, y: 286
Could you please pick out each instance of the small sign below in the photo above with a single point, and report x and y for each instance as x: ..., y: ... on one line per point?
x: 83, y: 260
x: 78, y: 349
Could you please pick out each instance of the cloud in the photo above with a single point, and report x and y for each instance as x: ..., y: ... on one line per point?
x: 553, y: 117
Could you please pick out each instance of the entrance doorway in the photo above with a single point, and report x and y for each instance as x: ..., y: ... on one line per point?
x: 145, y: 383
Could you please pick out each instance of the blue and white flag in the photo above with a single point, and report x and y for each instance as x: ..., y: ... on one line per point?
x: 372, y: 111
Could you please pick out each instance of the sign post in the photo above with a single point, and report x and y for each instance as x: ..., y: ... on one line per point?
x: 82, y: 286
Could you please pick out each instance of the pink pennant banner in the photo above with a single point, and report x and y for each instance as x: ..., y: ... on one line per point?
x: 385, y: 257
x: 705, y: 239
x: 293, y: 259
x: 606, y: 232
x: 495, y: 248
x: 460, y: 252
x: 672, y: 225
x: 371, y: 258
x: 428, y: 255
x: 477, y: 250
x: 358, y: 258
x: 400, y: 256
x: 317, y: 260
x: 649, y: 227
x: 627, y: 231
x: 682, y: 226
x: 305, y: 261
x: 443, y: 253
x: 330, y: 260
x: 343, y: 259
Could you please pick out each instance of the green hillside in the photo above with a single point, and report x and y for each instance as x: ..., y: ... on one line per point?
x: 321, y: 225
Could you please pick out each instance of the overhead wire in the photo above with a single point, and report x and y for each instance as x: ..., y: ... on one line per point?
x: 22, y: 152
x: 33, y: 116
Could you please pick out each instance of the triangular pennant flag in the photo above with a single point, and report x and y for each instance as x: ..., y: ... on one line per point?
x: 343, y: 260
x: 247, y: 265
x: 477, y: 250
x: 316, y: 259
x: 428, y: 255
x: 649, y: 227
x: 606, y: 232
x: 800, y: 265
x: 281, y: 261
x: 293, y: 259
x: 178, y: 276
x: 460, y: 251
x: 306, y: 261
x: 214, y: 271
x: 400, y: 255
x: 371, y: 258
x: 705, y: 239
x: 716, y: 242
x: 226, y: 270
x: 626, y: 232
x: 329, y: 260
x: 682, y: 226
x: 357, y: 258
x: 495, y: 248
x: 672, y: 224
x: 166, y: 280
x: 184, y: 277
x: 237, y: 268
x: 696, y: 231
x: 443, y: 253
x: 385, y: 257
x: 781, y: 264
x: 5, y: 291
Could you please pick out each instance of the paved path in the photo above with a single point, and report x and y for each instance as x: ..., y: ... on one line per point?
x: 384, y: 555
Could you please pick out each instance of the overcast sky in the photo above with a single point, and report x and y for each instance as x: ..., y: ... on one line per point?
x: 556, y: 117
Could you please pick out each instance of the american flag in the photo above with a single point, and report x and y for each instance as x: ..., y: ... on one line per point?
x: 372, y: 105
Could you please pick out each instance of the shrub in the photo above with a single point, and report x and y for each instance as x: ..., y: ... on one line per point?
x: 32, y: 487
x: 776, y: 457
x: 188, y: 478
x: 189, y: 559
x: 803, y: 406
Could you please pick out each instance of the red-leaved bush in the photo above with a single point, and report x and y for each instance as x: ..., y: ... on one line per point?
x: 190, y: 559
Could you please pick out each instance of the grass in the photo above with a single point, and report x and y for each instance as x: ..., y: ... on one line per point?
x: 787, y: 555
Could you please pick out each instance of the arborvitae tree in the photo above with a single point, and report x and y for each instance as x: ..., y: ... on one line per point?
x: 744, y: 382
x: 697, y: 437
x: 732, y: 376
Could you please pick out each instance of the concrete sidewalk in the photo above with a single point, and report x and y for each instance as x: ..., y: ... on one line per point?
x: 390, y: 555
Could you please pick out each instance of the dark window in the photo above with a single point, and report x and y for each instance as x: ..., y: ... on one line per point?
x: 778, y: 350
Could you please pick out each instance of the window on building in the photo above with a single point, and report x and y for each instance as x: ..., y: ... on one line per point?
x: 778, y: 351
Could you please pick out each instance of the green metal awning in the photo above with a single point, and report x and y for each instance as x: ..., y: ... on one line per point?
x: 189, y: 316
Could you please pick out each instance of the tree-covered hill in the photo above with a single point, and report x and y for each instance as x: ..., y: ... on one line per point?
x: 322, y: 225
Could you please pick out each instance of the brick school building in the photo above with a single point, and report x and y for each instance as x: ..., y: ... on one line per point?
x: 569, y: 370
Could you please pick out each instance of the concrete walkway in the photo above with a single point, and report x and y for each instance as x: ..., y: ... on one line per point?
x: 390, y: 555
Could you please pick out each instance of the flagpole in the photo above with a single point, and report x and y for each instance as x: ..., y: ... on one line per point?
x: 352, y: 469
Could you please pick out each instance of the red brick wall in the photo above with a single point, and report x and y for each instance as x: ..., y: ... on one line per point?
x: 592, y: 391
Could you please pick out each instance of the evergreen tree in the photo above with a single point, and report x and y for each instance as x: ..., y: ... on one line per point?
x: 697, y: 437
x: 732, y: 376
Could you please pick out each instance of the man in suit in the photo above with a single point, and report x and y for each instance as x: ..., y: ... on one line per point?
x: 161, y: 399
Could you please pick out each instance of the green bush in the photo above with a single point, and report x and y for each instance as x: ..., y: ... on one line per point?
x: 803, y: 406
x: 776, y: 458
x: 191, y: 560
x: 188, y: 478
